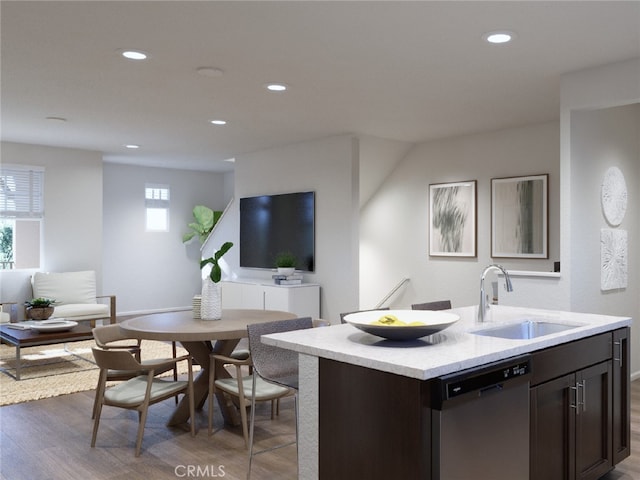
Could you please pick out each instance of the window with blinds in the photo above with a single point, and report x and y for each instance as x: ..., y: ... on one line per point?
x: 21, y: 191
x: 156, y: 198
x: 21, y: 214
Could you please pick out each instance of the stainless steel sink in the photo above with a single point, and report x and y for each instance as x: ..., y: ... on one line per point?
x: 525, y: 330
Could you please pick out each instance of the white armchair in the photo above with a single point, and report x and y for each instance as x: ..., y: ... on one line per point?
x: 75, y: 295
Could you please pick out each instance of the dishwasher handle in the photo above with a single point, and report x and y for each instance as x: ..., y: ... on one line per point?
x: 498, y: 387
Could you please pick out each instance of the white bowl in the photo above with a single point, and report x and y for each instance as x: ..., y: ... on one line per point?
x: 53, y: 325
x: 433, y: 321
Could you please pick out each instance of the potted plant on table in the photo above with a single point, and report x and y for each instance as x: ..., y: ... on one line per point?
x: 39, y: 308
x: 286, y: 263
x: 211, y: 301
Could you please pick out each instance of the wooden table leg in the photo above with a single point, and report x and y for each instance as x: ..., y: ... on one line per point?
x: 200, y: 351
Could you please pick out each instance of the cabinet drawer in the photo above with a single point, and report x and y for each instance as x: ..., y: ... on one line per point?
x: 566, y: 358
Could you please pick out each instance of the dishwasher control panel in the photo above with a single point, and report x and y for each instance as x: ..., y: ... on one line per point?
x: 484, y: 379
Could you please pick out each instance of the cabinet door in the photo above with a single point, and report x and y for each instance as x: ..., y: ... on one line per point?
x: 252, y: 296
x: 593, y: 421
x: 276, y: 298
x: 231, y: 295
x: 621, y: 395
x: 553, y: 429
x: 303, y: 301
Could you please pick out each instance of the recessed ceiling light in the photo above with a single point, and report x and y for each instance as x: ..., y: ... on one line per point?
x: 276, y: 87
x: 230, y: 160
x: 209, y: 71
x: 134, y: 54
x: 56, y: 119
x: 499, y: 36
x: 218, y: 122
x: 132, y: 146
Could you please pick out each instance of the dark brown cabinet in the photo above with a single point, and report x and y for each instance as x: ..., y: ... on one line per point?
x: 571, y: 426
x: 580, y: 402
x: 621, y: 394
x: 379, y: 425
x: 593, y: 421
x: 552, y: 430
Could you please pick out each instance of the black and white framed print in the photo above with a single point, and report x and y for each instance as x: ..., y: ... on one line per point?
x: 520, y: 217
x: 452, y: 219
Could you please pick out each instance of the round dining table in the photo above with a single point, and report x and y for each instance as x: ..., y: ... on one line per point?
x: 201, y: 338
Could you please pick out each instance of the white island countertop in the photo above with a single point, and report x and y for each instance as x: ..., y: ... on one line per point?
x: 448, y: 351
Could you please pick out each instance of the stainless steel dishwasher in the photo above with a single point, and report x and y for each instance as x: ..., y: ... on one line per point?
x: 481, y: 422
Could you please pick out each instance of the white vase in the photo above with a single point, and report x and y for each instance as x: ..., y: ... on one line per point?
x: 211, y: 301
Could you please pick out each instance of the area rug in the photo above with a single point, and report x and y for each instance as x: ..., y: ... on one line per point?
x: 51, y: 370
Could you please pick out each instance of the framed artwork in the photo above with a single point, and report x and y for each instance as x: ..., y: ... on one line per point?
x: 452, y: 219
x: 520, y: 217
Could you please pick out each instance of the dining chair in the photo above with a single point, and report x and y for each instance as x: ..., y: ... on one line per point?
x: 110, y: 337
x: 437, y: 305
x: 273, y: 365
x: 342, y: 315
x: 241, y: 387
x: 144, y: 389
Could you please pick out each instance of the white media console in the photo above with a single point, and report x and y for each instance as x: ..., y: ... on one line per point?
x: 302, y: 300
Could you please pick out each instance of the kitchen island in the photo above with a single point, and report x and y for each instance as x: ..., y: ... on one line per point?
x: 367, y: 405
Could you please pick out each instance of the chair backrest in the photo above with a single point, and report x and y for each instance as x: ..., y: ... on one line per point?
x: 437, y: 305
x: 107, y: 333
x: 342, y: 315
x: 115, y: 359
x: 65, y: 287
x: 273, y: 363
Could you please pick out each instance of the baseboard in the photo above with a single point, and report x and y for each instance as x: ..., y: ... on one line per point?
x: 137, y: 313
x: 635, y: 376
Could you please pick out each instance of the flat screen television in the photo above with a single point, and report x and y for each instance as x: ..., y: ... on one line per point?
x: 272, y: 224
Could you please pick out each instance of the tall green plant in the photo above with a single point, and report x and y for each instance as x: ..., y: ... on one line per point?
x: 216, y: 272
x: 205, y: 220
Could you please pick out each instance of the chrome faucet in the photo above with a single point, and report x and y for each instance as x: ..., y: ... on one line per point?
x: 483, y: 306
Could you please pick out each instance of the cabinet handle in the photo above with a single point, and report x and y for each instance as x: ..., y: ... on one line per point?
x: 574, y: 403
x: 580, y: 396
x: 620, y: 353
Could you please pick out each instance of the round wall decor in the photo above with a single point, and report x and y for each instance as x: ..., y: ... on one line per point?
x: 614, y: 196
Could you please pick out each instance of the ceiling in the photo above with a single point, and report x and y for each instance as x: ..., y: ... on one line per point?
x: 404, y: 71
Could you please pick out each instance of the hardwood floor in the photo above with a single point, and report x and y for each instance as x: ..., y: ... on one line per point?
x: 629, y: 469
x: 50, y: 439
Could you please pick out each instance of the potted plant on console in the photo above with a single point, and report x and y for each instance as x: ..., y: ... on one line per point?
x: 39, y: 308
x: 286, y: 263
x: 211, y: 300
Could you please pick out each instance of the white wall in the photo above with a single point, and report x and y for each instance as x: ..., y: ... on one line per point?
x: 583, y: 93
x: 328, y: 167
x: 153, y: 271
x: 601, y: 139
x: 394, y: 224
x: 378, y: 158
x: 72, y: 229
